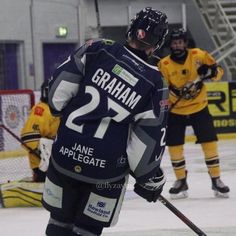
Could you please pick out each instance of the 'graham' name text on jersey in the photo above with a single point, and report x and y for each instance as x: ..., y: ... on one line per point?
x: 116, y: 88
x: 82, y: 154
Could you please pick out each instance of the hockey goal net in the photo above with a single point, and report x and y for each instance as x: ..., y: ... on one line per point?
x: 15, y: 106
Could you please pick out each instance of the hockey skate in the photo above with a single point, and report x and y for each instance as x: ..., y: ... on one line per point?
x: 219, y: 188
x: 179, y: 189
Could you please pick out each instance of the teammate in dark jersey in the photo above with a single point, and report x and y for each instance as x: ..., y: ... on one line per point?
x: 113, y: 108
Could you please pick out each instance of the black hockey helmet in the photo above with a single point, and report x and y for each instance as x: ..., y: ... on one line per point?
x: 149, y: 26
x: 44, y: 92
x: 178, y: 34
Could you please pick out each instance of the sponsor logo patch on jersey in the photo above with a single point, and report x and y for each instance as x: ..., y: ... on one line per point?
x: 125, y: 75
x: 38, y: 111
x: 100, y: 208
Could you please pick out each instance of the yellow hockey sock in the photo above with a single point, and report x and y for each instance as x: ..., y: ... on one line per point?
x: 211, y: 158
x: 177, y: 160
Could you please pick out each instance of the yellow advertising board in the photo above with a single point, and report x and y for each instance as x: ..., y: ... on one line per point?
x: 218, y: 98
x: 222, y: 105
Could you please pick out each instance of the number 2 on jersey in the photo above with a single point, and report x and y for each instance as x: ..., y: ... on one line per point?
x: 121, y: 113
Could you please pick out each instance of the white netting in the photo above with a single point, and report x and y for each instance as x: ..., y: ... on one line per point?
x: 14, y: 110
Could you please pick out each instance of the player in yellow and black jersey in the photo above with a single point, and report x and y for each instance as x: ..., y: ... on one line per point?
x: 185, y: 70
x: 40, y: 124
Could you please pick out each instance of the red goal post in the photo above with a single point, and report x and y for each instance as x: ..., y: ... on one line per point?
x: 15, y: 106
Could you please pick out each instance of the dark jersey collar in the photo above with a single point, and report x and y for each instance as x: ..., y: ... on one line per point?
x: 179, y: 59
x: 139, y: 53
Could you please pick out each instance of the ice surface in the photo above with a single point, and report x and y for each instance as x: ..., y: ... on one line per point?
x: 215, y: 216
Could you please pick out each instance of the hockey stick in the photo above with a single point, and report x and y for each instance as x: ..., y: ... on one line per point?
x: 181, y: 216
x: 19, y: 140
x: 98, y: 19
x: 187, y: 89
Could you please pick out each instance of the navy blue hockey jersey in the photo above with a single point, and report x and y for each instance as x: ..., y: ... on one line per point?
x: 113, y: 109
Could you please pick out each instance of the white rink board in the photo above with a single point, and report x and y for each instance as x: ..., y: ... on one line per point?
x: 216, y: 217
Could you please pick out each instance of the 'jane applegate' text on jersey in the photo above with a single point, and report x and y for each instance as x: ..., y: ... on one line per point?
x: 113, y: 109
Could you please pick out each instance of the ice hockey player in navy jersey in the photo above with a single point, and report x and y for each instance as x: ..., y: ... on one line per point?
x: 113, y: 108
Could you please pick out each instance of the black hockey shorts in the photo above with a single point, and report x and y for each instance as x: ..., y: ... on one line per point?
x: 83, y: 204
x: 201, y: 122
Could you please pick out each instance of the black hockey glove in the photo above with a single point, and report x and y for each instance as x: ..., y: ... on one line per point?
x: 207, y: 71
x: 152, y: 189
x: 38, y: 175
x: 191, y: 90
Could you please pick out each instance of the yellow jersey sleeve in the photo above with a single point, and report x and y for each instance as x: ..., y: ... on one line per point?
x: 209, y: 60
x: 40, y: 123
